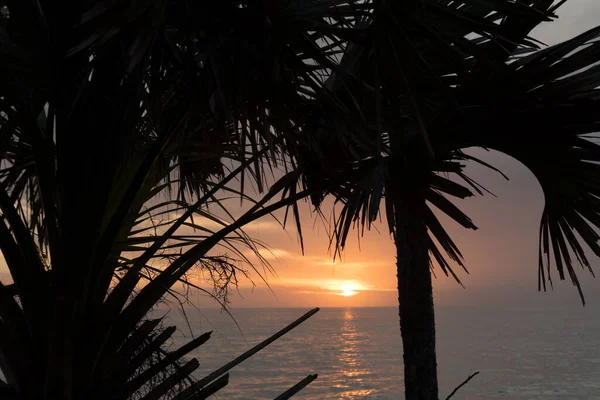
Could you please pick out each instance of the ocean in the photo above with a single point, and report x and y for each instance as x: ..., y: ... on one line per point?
x: 520, y: 353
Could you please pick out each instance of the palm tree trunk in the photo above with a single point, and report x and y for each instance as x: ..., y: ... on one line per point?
x: 415, y: 297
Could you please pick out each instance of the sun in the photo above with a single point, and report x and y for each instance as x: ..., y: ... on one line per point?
x: 348, y: 289
x: 345, y: 288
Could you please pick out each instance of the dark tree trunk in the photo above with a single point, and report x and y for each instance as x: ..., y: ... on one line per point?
x: 407, y: 185
x: 415, y: 297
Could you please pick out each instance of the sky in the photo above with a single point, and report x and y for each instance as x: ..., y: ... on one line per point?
x: 501, y: 255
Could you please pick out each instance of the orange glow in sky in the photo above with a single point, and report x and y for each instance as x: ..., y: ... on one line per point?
x: 501, y: 256
x: 348, y: 292
x: 348, y: 289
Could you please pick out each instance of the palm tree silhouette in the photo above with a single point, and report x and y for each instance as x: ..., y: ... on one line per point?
x: 492, y: 88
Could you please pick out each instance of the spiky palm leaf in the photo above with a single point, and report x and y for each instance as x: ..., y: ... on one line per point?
x: 102, y: 346
x: 104, y: 109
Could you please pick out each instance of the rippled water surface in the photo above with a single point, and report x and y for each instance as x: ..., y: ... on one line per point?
x: 521, y: 354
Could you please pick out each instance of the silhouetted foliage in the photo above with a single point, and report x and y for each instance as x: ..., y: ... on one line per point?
x: 120, y: 122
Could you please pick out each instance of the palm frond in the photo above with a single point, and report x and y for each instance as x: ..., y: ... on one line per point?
x: 547, y: 127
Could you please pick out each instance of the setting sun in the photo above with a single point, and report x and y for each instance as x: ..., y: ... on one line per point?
x: 348, y: 289
x: 345, y: 288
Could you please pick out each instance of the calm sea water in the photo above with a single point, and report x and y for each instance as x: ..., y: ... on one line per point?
x: 521, y: 354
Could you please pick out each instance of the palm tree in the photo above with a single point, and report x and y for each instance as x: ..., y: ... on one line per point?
x: 118, y: 123
x: 481, y: 83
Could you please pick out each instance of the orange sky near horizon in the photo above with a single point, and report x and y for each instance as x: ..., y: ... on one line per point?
x: 501, y: 255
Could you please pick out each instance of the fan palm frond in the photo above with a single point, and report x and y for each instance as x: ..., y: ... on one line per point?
x: 549, y: 127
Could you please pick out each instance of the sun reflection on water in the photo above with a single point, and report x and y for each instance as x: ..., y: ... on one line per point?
x: 354, y: 370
